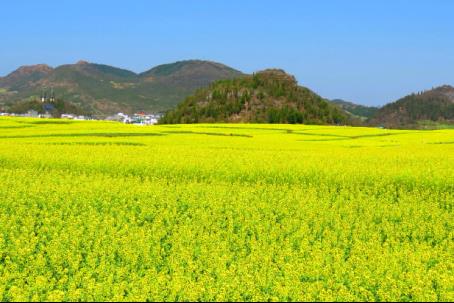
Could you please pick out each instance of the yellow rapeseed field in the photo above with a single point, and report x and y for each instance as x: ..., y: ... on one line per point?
x: 105, y: 211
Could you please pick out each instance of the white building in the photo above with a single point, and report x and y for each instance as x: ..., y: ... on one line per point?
x: 67, y: 116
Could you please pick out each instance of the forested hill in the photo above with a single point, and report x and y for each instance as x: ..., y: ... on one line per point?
x: 270, y: 96
x: 435, y: 105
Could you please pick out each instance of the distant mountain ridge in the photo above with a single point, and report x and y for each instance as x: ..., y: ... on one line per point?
x: 24, y: 75
x: 356, y: 110
x: 436, y: 105
x: 269, y: 96
x: 105, y: 89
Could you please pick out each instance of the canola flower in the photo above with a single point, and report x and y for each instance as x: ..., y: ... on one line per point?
x: 104, y: 211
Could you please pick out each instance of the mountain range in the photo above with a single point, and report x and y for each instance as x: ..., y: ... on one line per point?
x: 103, y: 89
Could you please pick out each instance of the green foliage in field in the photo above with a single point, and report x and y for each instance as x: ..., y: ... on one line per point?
x: 105, y: 211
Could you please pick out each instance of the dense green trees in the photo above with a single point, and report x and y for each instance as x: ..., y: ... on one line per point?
x: 270, y: 96
x: 433, y: 105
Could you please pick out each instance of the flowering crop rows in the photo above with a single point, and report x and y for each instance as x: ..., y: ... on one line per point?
x: 104, y: 211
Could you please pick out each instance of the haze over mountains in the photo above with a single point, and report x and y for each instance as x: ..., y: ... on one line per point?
x: 104, y: 89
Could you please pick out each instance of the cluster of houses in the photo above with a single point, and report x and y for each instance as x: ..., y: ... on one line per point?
x: 74, y: 117
x: 34, y: 114
x: 48, y: 100
x: 140, y: 118
x: 28, y: 114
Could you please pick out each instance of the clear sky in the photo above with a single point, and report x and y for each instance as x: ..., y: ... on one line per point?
x: 370, y: 52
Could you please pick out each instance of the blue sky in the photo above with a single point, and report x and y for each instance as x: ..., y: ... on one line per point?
x: 370, y: 52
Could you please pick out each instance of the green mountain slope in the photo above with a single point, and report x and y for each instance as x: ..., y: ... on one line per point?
x: 356, y: 110
x: 103, y: 89
x: 24, y: 76
x: 436, y: 105
x: 270, y: 96
x: 189, y: 74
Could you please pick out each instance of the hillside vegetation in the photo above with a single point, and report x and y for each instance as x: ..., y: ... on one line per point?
x: 356, y: 110
x: 103, y: 89
x: 436, y: 105
x: 269, y: 96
